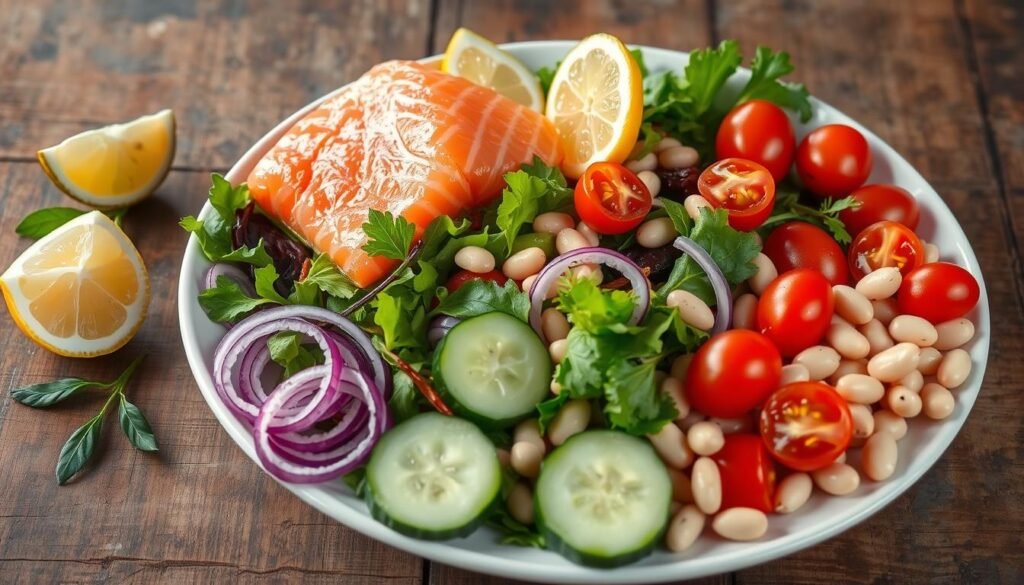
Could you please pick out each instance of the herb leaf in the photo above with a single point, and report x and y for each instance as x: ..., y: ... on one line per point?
x: 634, y: 403
x: 480, y: 296
x: 227, y: 302
x: 135, y: 426
x: 226, y: 199
x: 766, y: 69
x: 288, y: 352
x: 389, y: 236
x: 79, y: 448
x: 548, y: 409
x: 326, y: 276
x: 533, y: 189
x: 50, y: 393
x: 43, y: 221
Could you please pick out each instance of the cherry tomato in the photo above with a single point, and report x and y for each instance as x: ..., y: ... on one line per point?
x: 799, y: 244
x: 833, y: 160
x: 878, y: 203
x: 760, y: 131
x: 806, y: 425
x: 885, y: 243
x: 938, y: 292
x: 463, y: 276
x: 747, y: 472
x: 744, y: 188
x: 611, y: 199
x: 795, y: 310
x: 733, y: 373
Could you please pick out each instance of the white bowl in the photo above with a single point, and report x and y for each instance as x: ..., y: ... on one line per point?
x: 822, y: 518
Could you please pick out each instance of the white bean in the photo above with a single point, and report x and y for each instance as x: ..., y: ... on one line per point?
x: 670, y: 443
x: 744, y: 312
x: 885, y: 310
x: 692, y: 310
x: 655, y: 233
x: 860, y: 389
x: 528, y: 431
x: 520, y: 503
x: 524, y: 263
x: 765, y: 274
x: 863, y: 422
x: 678, y: 157
x: 837, y: 479
x: 929, y: 361
x: 592, y: 237
x: 902, y: 402
x: 554, y: 324
x: 474, y: 259
x: 849, y: 342
x: 938, y: 402
x: 525, y: 458
x: 931, y: 253
x: 794, y: 373
x: 673, y: 388
x: 895, y: 362
x: 648, y: 162
x: 569, y: 239
x: 731, y: 426
x: 556, y: 388
x: 557, y: 349
x: 552, y: 222
x: 851, y: 305
x: 793, y: 492
x: 913, y: 329
x: 651, y: 180
x: 877, y: 336
x: 681, y: 365
x: 880, y: 284
x: 879, y: 456
x: 954, y: 369
x: 693, y: 204
x: 848, y: 367
x: 705, y: 438
x: 820, y: 360
x: 740, y: 524
x: 706, y: 482
x: 572, y: 418
x: 913, y: 381
x: 953, y: 334
x: 887, y: 421
x: 528, y: 283
x: 684, y: 528
x: 666, y: 143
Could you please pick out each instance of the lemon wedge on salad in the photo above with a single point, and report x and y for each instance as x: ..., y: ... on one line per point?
x: 596, y: 103
x: 477, y: 59
x: 81, y: 291
x: 114, y: 166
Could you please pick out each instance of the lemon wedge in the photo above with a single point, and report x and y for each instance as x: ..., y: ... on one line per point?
x: 114, y: 166
x: 477, y: 59
x: 81, y: 291
x: 596, y: 103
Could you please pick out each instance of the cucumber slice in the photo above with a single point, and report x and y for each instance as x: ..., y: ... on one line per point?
x: 493, y: 369
x: 602, y: 498
x: 433, y: 477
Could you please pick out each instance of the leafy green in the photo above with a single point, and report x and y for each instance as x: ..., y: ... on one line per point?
x: 546, y: 75
x: 227, y: 302
x: 78, y: 449
x: 214, y: 232
x: 826, y: 215
x: 356, y: 481
x: 634, y: 402
x: 326, y: 276
x: 675, y: 211
x: 592, y: 309
x: 638, y: 56
x: 50, y: 393
x: 530, y: 191
x: 43, y: 221
x: 256, y: 256
x: 288, y: 351
x: 405, y: 399
x: 513, y: 532
x: 402, y: 318
x: 225, y: 199
x: 388, y: 235
x: 480, y: 296
x: 136, y: 426
x: 548, y: 409
x: 766, y: 69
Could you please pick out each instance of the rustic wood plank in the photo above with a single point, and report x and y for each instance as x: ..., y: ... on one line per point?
x: 199, y: 510
x: 901, y: 68
x: 230, y: 70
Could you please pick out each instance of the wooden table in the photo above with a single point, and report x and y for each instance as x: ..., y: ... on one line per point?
x: 939, y: 80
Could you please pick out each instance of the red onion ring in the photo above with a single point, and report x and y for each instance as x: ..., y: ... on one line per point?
x: 439, y: 327
x: 723, y: 293
x: 547, y: 277
x: 231, y: 271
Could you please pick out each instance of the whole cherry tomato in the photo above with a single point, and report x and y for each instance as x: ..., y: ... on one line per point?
x: 806, y: 425
x: 798, y: 244
x: 938, y: 292
x: 878, y: 203
x: 732, y: 373
x: 833, y: 160
x: 611, y: 199
x: 760, y: 131
x: 742, y: 187
x: 882, y: 244
x: 747, y: 472
x: 463, y: 276
x: 795, y: 310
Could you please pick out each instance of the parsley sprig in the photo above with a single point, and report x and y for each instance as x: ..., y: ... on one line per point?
x: 789, y: 208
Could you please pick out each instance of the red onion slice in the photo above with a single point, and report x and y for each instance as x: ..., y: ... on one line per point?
x: 439, y: 327
x: 557, y: 267
x: 723, y: 293
x: 231, y: 271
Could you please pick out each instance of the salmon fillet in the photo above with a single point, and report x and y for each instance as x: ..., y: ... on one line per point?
x: 404, y: 138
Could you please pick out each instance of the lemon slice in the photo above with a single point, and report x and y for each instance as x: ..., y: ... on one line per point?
x: 596, y: 103
x: 114, y: 166
x: 81, y: 291
x: 477, y: 59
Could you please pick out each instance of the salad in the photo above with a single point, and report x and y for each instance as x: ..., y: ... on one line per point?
x: 676, y: 316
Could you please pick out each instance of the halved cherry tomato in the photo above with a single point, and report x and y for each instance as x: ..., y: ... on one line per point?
x: 806, y: 425
x: 760, y: 131
x: 798, y: 244
x: 885, y: 243
x: 611, y: 199
x: 743, y: 187
x: 795, y: 310
x: 833, y: 160
x: 463, y: 276
x: 878, y: 203
x: 747, y: 472
x: 939, y: 291
x: 733, y: 373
